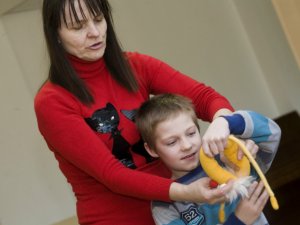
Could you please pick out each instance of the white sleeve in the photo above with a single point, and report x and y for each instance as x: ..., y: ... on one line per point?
x: 165, y: 214
x: 265, y: 133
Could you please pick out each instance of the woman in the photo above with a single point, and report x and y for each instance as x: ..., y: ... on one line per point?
x: 86, y: 108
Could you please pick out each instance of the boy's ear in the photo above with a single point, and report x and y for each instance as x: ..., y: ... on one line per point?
x: 150, y: 151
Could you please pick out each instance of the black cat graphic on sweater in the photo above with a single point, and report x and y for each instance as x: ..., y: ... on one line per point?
x: 106, y: 120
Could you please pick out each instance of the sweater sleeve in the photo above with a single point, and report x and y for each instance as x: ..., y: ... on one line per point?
x: 80, y: 149
x: 233, y: 220
x: 158, y: 77
x: 259, y: 128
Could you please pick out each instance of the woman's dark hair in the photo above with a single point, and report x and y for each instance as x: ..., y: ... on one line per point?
x: 61, y: 72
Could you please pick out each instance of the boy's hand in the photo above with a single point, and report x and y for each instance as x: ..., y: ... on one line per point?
x: 215, y: 138
x: 251, y: 146
x: 214, y: 141
x: 249, y: 209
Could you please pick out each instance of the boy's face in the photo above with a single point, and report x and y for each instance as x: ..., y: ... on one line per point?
x: 178, y: 142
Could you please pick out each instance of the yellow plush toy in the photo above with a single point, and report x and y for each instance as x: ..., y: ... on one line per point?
x: 241, y: 177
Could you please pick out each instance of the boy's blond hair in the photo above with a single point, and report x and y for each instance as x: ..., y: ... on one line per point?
x: 158, y: 109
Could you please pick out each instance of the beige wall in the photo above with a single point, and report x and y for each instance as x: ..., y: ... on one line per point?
x: 272, y: 53
x: 235, y: 46
x: 32, y: 190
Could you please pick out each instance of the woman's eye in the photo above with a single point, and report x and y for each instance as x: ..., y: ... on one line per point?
x: 77, y: 26
x: 99, y: 18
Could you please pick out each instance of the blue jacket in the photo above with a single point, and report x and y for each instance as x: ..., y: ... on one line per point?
x: 244, y: 125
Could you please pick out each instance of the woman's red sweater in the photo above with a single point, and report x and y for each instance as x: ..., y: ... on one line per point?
x: 107, y: 192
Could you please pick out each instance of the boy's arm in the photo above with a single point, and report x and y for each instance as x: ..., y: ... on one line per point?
x: 233, y: 220
x: 259, y: 128
x: 165, y: 214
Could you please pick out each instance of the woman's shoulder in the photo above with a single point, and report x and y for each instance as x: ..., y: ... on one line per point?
x: 50, y: 93
x: 138, y: 59
x: 133, y: 56
x: 48, y: 89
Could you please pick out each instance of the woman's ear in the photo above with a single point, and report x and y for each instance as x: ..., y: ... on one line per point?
x: 151, y: 151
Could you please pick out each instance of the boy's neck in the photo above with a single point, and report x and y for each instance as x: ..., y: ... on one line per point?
x: 176, y: 175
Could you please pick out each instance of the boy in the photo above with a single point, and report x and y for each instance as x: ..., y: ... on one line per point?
x: 169, y: 128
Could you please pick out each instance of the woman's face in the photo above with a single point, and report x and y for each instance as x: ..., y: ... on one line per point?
x: 87, y: 39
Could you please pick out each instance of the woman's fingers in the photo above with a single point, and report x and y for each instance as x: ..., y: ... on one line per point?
x: 220, y: 194
x: 217, y: 195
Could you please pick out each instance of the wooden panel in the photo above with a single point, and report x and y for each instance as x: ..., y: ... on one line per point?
x: 286, y: 165
x: 288, y: 12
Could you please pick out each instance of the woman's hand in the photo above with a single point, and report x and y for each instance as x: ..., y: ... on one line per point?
x: 199, y: 191
x: 249, y: 209
x: 215, y: 138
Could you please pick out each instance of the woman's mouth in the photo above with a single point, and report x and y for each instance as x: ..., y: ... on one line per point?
x: 96, y: 46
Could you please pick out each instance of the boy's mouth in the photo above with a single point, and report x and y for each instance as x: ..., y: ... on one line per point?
x: 189, y: 156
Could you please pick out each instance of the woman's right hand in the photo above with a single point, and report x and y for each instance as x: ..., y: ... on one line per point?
x: 199, y: 191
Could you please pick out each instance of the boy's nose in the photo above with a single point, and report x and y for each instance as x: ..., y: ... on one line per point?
x: 185, y: 144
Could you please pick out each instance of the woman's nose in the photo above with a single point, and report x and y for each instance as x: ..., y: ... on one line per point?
x: 93, y: 30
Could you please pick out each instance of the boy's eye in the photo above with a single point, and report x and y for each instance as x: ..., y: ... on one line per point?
x: 191, y: 133
x: 170, y: 143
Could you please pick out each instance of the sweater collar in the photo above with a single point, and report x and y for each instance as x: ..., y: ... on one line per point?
x: 87, y: 69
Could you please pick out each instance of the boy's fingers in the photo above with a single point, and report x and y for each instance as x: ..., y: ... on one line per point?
x: 257, y: 192
x: 262, y: 200
x: 220, y: 145
x: 214, y: 148
x: 240, y: 154
x: 252, y: 188
x: 252, y: 147
x: 206, y: 149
